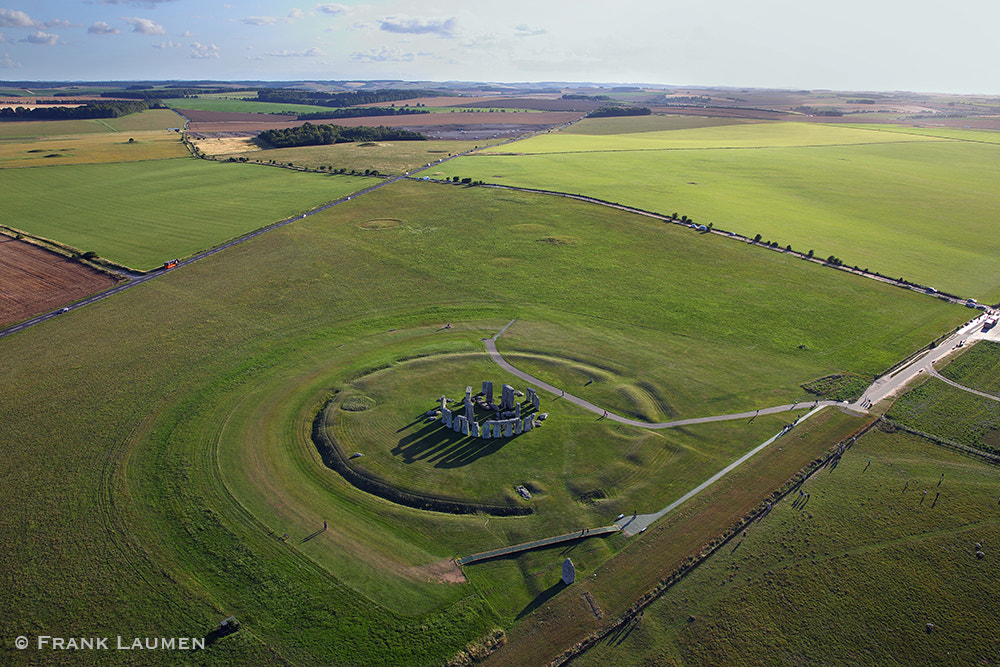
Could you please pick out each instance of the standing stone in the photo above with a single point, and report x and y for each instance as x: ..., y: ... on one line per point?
x: 456, y: 424
x: 532, y: 398
x: 518, y: 427
x: 487, y: 430
x: 465, y: 426
x: 508, y: 428
x: 468, y: 393
x: 470, y: 414
x: 506, y: 397
x: 497, y: 430
x: 529, y: 423
x: 569, y: 572
x: 444, y: 402
x: 474, y: 429
x: 446, y: 417
x: 534, y: 401
x: 488, y: 391
x: 517, y: 411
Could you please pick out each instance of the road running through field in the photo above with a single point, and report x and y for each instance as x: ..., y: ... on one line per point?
x: 491, y: 348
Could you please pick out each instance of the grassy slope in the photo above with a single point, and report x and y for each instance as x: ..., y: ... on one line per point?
x: 853, y: 577
x: 905, y: 205
x: 135, y: 392
x: 141, y: 214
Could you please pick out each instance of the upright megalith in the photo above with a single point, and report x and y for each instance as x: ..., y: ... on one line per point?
x: 532, y: 398
x: 446, y: 417
x: 507, y: 397
x: 488, y: 391
x: 470, y: 411
x: 568, y: 572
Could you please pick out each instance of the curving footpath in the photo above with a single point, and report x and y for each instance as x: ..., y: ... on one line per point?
x: 491, y: 348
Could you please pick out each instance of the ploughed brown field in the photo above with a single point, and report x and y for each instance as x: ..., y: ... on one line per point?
x: 34, y: 281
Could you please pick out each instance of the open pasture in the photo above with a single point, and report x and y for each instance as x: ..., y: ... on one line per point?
x: 149, y: 120
x: 183, y: 410
x: 877, y: 200
x: 385, y: 157
x: 142, y: 214
x: 109, y: 147
x: 877, y: 566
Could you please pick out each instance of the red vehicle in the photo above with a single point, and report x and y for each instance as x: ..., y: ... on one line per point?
x: 171, y: 264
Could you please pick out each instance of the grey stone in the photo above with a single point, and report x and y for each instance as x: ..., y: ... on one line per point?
x: 508, y: 428
x: 568, y: 572
x: 446, y: 417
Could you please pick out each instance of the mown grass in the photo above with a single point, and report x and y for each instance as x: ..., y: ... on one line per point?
x: 142, y: 214
x: 977, y: 367
x: 852, y: 576
x: 91, y: 149
x: 162, y: 436
x: 385, y: 157
x: 950, y: 413
x: 151, y: 119
x: 907, y: 206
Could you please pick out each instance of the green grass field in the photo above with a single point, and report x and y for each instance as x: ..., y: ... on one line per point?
x: 163, y: 450
x: 385, y: 157
x: 142, y: 214
x: 852, y: 576
x: 905, y: 205
x: 149, y: 120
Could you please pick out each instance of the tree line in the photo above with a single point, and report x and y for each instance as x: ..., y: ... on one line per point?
x: 608, y: 112
x: 110, y: 109
x: 359, y: 112
x: 354, y: 98
x: 322, y: 135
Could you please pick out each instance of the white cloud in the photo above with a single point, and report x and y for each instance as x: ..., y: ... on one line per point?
x: 262, y: 20
x: 525, y: 31
x: 6, y: 62
x: 383, y: 55
x: 167, y: 45
x: 295, y: 14
x: 144, y: 26
x: 442, y: 28
x: 42, y: 38
x: 140, y: 3
x: 14, y: 18
x: 102, y: 28
x: 308, y: 53
x: 204, y: 51
x: 332, y: 9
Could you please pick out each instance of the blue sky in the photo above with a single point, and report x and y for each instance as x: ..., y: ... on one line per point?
x: 846, y: 45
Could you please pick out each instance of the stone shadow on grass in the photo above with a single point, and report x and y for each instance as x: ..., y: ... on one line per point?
x: 542, y: 598
x: 445, y: 447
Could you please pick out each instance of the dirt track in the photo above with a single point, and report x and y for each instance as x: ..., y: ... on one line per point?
x: 36, y: 281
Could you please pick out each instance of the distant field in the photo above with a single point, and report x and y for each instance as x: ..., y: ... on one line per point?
x: 958, y: 134
x: 143, y: 213
x: 240, y: 106
x: 853, y: 576
x: 385, y: 157
x: 91, y: 148
x: 151, y: 119
x: 874, y: 199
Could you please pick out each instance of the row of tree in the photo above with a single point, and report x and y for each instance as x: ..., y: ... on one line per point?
x: 110, y: 109
x: 321, y: 135
x: 361, y: 112
x: 609, y: 112
x: 354, y: 98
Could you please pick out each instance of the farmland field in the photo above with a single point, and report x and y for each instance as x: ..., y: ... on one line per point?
x: 182, y: 413
x: 149, y: 120
x: 874, y: 199
x: 877, y: 566
x: 35, y: 280
x: 385, y: 157
x: 91, y: 148
x: 141, y: 214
